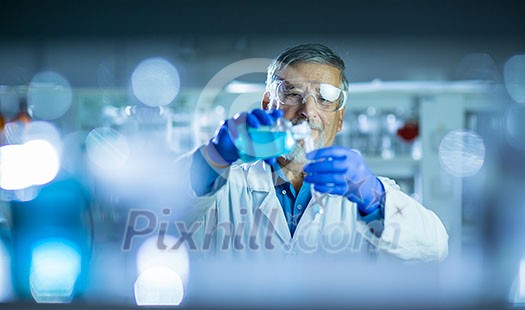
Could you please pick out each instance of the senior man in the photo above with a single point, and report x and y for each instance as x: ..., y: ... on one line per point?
x: 267, y: 206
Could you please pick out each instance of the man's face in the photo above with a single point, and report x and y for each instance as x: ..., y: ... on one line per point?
x: 324, y: 124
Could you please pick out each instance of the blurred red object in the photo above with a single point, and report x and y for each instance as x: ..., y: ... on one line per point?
x: 409, y: 131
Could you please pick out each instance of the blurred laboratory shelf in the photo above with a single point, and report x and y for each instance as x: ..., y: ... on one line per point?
x: 397, y: 167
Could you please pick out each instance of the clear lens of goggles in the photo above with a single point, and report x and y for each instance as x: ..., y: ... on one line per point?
x: 326, y: 96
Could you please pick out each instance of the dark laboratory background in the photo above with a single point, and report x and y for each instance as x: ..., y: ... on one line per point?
x: 436, y: 101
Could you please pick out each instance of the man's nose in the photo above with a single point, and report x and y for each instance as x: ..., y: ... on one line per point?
x: 308, y: 106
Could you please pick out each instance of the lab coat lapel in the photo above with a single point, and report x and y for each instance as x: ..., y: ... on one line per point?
x: 259, y: 178
x: 272, y: 210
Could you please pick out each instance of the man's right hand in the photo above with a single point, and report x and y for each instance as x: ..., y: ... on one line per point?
x: 221, y: 149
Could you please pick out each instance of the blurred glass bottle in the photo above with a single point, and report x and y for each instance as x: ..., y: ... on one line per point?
x: 352, y: 136
x: 390, y: 124
x: 369, y: 128
x: 408, y: 132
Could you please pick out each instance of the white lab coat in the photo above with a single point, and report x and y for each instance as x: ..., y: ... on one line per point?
x: 242, y: 216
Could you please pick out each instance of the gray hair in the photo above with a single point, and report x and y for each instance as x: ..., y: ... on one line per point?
x: 309, y: 53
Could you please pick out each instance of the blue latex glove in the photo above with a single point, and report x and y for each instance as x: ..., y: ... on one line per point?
x: 222, y: 150
x: 342, y: 171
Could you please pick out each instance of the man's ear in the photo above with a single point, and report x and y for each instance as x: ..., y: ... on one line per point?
x: 266, y: 103
x: 340, y: 120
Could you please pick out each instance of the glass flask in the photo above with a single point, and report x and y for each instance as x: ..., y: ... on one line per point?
x: 265, y: 141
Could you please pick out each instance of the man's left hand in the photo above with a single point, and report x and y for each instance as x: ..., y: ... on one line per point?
x: 342, y: 171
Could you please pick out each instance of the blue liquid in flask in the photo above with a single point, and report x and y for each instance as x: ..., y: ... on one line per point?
x: 263, y: 142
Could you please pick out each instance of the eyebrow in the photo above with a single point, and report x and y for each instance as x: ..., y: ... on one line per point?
x: 289, y: 82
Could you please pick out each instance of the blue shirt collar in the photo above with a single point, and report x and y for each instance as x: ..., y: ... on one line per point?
x: 278, y: 176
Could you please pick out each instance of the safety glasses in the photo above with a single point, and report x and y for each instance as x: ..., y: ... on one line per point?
x: 295, y: 92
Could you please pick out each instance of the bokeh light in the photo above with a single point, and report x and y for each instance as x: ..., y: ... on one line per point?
x: 515, y: 126
x: 19, y: 133
x: 151, y: 255
x: 514, y: 74
x: 38, y: 130
x: 55, y: 267
x: 44, y: 161
x: 24, y: 164
x: 158, y: 286
x: 14, y: 132
x: 33, y: 163
x: 155, y: 82
x: 107, y: 148
x: 14, y: 174
x: 26, y: 194
x: 49, y: 95
x: 462, y: 153
x: 478, y: 66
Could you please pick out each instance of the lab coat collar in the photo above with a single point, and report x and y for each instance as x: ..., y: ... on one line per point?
x: 261, y: 170
x: 259, y: 176
x: 278, y: 176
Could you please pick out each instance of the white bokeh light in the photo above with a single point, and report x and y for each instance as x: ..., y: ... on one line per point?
x: 14, y: 174
x: 31, y: 156
x: 107, y: 148
x: 155, y: 82
x: 39, y: 130
x: 150, y: 255
x: 49, y: 95
x: 462, y: 153
x: 14, y: 132
x: 158, y: 286
x: 55, y: 267
x: 44, y: 161
x: 35, y: 162
x: 26, y: 194
x: 514, y: 74
x: 19, y: 133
